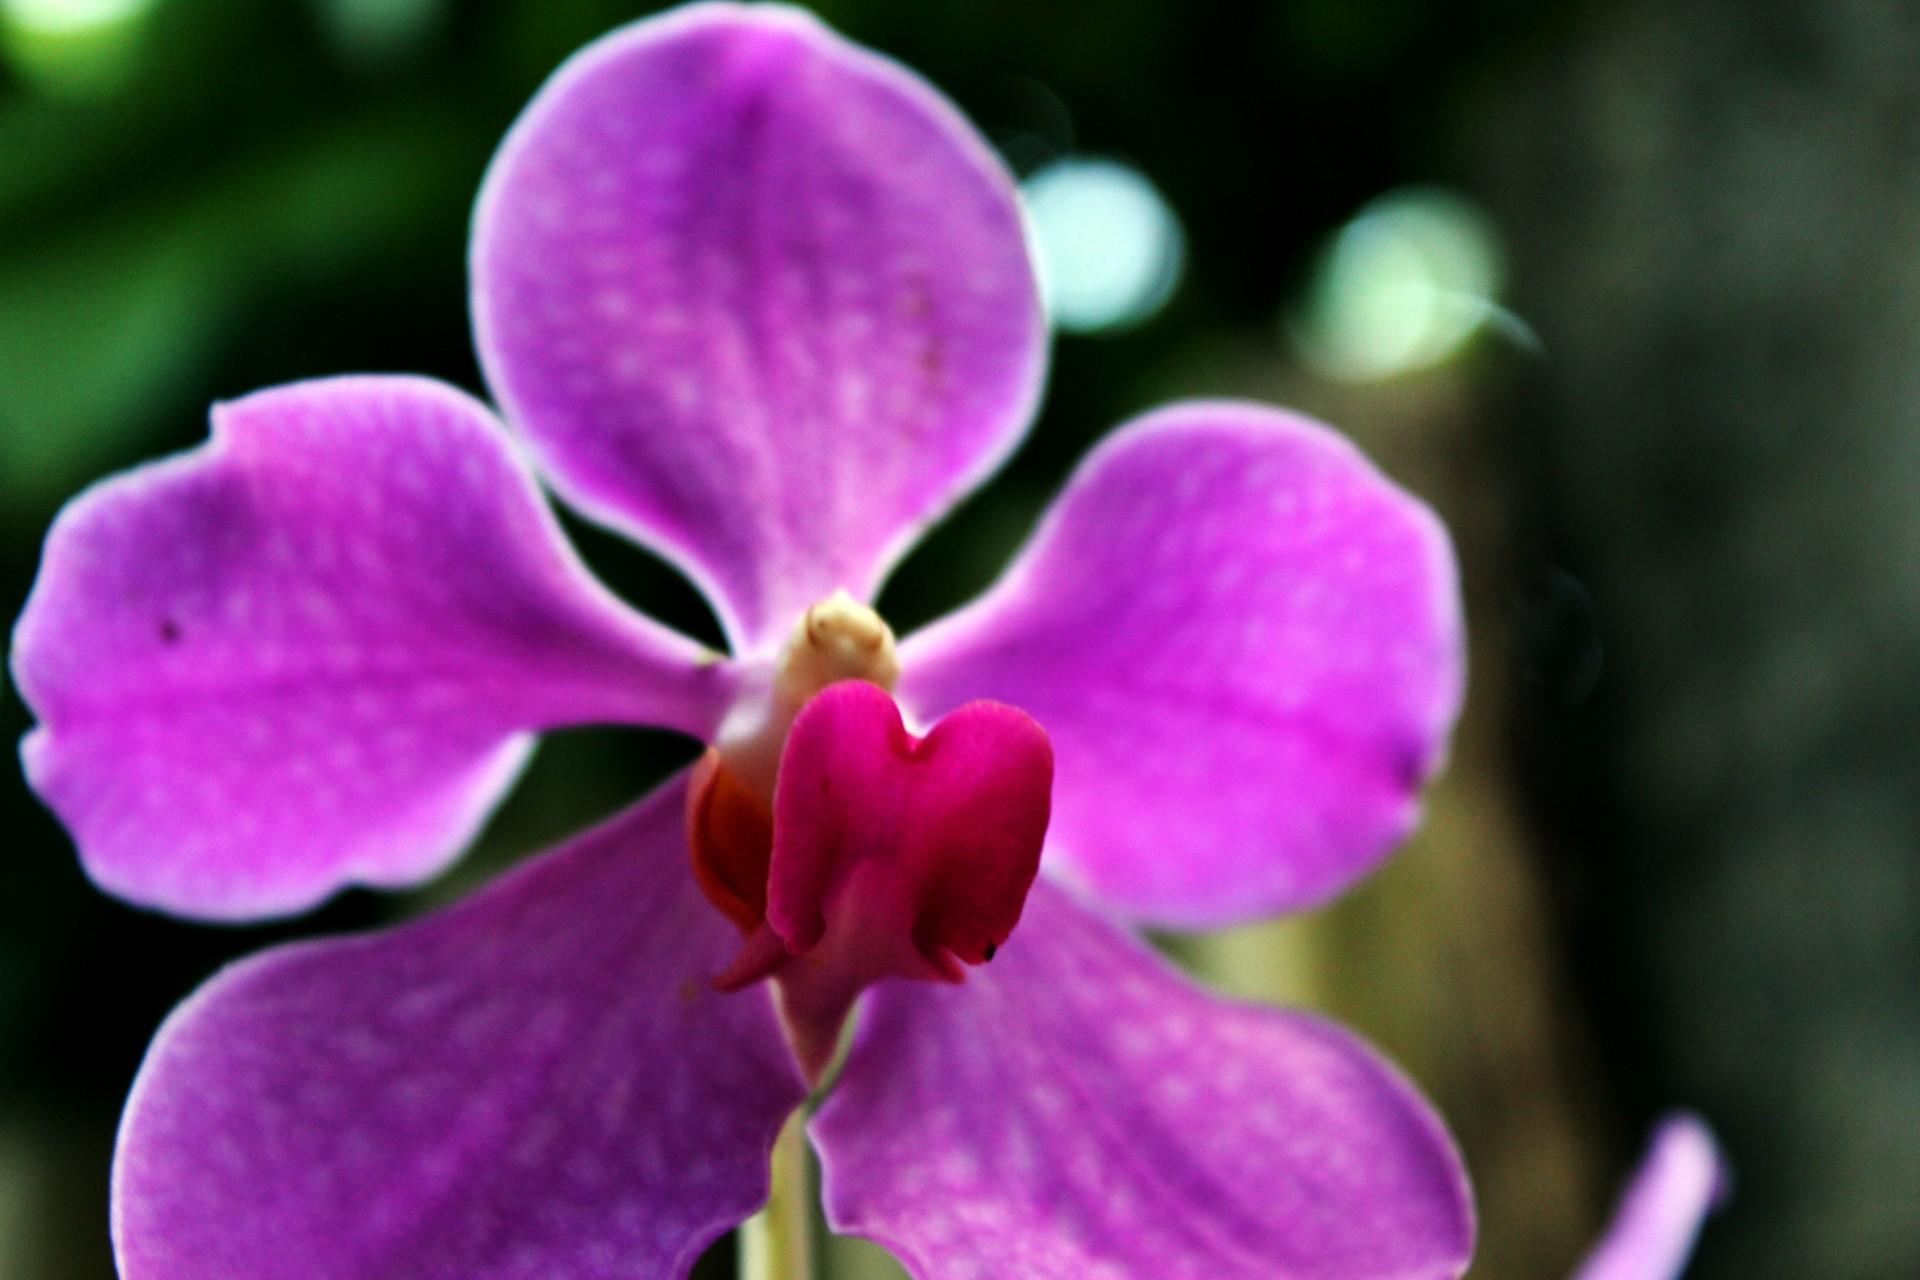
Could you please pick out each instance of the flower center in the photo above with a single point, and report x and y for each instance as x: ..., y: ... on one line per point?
x: 847, y: 849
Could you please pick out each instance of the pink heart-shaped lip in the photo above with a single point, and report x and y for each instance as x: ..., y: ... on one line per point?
x: 893, y: 856
x: 939, y: 837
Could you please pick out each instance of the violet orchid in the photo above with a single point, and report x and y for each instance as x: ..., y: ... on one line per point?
x: 761, y: 301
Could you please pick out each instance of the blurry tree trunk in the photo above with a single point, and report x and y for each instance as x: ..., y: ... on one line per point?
x: 1448, y: 958
x: 1715, y: 217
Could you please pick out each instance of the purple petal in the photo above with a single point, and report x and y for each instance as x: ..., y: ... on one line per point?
x: 1077, y: 1111
x: 308, y: 653
x: 535, y: 1085
x: 1245, y: 644
x: 759, y: 298
x: 1678, y: 1184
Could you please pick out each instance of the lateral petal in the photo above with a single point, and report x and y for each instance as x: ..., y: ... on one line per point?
x: 1245, y: 644
x: 311, y: 651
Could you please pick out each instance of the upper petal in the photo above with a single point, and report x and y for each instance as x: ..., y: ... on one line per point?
x: 1651, y: 1237
x: 759, y: 298
x: 307, y: 653
x: 535, y: 1085
x: 1077, y: 1111
x: 1245, y: 644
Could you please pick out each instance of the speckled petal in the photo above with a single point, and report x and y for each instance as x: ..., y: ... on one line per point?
x: 535, y: 1085
x: 308, y: 652
x: 759, y: 298
x: 1078, y: 1111
x: 1245, y: 644
x: 1682, y: 1179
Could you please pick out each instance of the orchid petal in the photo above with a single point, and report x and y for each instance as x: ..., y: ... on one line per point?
x: 758, y: 298
x: 1651, y: 1237
x: 1077, y: 1111
x: 538, y: 1084
x: 308, y: 652
x: 1245, y: 645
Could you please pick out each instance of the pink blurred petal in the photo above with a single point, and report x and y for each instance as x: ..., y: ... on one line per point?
x: 757, y: 297
x: 1245, y: 644
x: 1078, y: 1111
x: 309, y: 652
x: 1651, y: 1237
x: 535, y: 1085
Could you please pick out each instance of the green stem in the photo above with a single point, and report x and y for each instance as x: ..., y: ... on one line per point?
x: 777, y: 1242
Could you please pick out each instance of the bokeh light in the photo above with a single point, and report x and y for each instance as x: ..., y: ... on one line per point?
x: 1401, y: 287
x: 379, y: 32
x: 73, y: 48
x: 71, y: 17
x: 1111, y: 248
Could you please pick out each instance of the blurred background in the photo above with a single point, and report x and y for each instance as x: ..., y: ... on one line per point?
x: 1629, y: 289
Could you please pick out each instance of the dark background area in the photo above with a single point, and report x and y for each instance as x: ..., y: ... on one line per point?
x: 1677, y: 858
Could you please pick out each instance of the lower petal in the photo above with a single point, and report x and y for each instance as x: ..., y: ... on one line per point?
x: 538, y: 1084
x: 1077, y: 1110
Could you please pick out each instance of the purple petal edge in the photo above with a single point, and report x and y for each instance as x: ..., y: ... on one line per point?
x: 758, y: 298
x: 1682, y: 1179
x: 1246, y: 644
x: 1079, y: 1111
x: 537, y: 1084
x: 312, y: 651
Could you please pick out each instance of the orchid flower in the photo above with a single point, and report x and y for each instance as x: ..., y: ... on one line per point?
x: 1680, y: 1181
x: 761, y: 301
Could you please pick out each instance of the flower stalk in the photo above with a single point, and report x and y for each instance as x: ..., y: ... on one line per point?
x: 777, y: 1242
